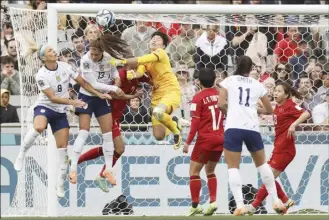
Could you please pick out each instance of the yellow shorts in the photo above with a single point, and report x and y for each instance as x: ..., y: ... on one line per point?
x: 172, y: 99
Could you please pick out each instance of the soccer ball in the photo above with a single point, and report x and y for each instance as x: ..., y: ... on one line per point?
x: 105, y: 18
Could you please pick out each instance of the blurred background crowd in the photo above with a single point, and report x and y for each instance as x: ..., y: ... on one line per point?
x: 294, y: 54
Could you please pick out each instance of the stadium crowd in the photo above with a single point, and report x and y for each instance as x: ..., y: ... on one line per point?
x: 297, y: 55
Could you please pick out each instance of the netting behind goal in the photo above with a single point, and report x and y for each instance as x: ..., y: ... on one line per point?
x: 151, y: 175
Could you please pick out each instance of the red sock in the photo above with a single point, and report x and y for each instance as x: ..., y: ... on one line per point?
x: 195, y: 187
x: 91, y: 154
x: 261, y: 195
x: 281, y: 194
x: 212, y: 186
x: 116, y: 156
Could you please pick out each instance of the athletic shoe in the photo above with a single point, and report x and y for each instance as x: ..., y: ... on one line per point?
x: 212, y: 208
x: 102, y: 183
x: 195, y: 211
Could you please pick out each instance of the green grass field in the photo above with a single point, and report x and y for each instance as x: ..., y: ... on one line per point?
x: 217, y: 217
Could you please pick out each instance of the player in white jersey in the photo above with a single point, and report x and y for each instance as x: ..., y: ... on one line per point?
x: 53, y: 82
x: 98, y: 71
x: 242, y: 93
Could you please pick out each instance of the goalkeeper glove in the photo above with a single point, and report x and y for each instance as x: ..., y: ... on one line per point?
x: 115, y: 62
x: 131, y: 74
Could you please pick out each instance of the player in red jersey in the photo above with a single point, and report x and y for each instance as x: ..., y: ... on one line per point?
x: 287, y: 116
x: 118, y: 104
x: 207, y: 120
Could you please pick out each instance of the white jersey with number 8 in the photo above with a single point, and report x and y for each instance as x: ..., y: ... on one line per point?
x: 243, y: 94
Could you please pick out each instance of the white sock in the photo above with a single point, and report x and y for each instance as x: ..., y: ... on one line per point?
x: 108, y: 150
x: 268, y: 180
x: 28, y: 141
x: 62, y: 154
x: 77, y: 148
x: 234, y: 179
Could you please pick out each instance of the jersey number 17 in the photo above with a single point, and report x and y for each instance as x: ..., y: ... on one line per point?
x: 215, y: 121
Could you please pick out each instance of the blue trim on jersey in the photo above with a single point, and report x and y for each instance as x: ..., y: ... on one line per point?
x: 53, y: 69
x: 235, y: 137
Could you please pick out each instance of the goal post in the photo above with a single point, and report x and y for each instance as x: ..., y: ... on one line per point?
x: 153, y: 176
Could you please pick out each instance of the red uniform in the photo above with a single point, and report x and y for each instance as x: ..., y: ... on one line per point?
x: 207, y: 120
x: 284, y: 147
x: 128, y: 87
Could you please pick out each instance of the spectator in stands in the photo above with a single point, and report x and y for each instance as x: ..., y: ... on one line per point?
x: 188, y: 89
x: 257, y: 50
x: 305, y: 87
x: 8, y: 112
x: 282, y: 73
x: 182, y: 48
x: 12, y: 52
x: 138, y: 38
x: 79, y: 45
x: 6, y: 34
x: 91, y: 32
x: 287, y: 47
x: 135, y: 114
x: 299, y: 61
x: 65, y: 54
x: 68, y: 21
x: 9, y: 76
x: 320, y: 114
x: 316, y: 73
x: 38, y: 4
x: 211, y: 49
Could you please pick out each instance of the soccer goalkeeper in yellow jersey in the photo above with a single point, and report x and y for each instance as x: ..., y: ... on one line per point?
x: 166, y: 94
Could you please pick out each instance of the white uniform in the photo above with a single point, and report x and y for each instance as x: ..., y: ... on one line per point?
x: 58, y: 80
x: 243, y: 95
x: 97, y: 73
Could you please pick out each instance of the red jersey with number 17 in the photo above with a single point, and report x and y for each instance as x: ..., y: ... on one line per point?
x: 284, y: 115
x: 207, y: 120
x: 128, y: 87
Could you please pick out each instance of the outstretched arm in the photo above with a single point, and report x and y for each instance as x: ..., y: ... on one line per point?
x: 131, y: 74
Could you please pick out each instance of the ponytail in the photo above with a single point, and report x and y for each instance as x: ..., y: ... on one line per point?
x: 244, y: 65
x: 34, y: 47
x: 289, y: 90
x: 113, y: 45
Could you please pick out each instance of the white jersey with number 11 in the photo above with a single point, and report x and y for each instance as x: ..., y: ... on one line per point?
x: 243, y: 94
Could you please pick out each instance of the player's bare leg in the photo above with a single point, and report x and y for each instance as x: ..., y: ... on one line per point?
x: 234, y: 179
x: 268, y: 179
x: 212, y: 187
x: 195, y: 187
x: 105, y: 122
x: 61, y: 137
x: 160, y: 114
x: 84, y: 124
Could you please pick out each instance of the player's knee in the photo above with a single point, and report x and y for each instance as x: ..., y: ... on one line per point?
x: 158, y: 113
x: 39, y: 128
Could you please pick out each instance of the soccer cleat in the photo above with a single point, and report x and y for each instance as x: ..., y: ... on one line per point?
x: 60, y: 191
x: 279, y: 208
x: 240, y: 211
x: 288, y: 205
x: 177, y: 141
x: 73, y: 177
x: 250, y: 209
x: 102, y: 183
x: 19, y: 164
x: 175, y: 119
x: 110, y: 177
x: 195, y: 211
x: 212, y: 208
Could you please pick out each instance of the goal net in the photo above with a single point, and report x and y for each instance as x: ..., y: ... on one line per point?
x: 151, y: 175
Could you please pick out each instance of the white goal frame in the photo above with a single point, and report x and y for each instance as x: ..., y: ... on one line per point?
x: 54, y: 9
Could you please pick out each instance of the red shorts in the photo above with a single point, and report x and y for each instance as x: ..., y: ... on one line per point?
x: 116, y: 129
x: 280, y: 161
x: 201, y: 155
